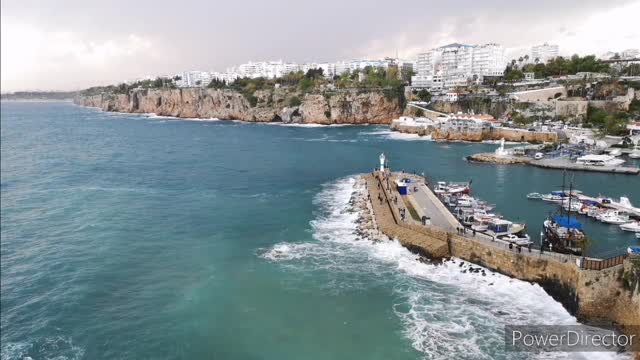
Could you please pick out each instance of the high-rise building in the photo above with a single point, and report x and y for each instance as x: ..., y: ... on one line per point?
x: 544, y: 52
x: 456, y: 65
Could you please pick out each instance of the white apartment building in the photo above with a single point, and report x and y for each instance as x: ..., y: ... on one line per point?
x: 194, y: 78
x: 267, y: 69
x: 544, y: 52
x: 456, y: 65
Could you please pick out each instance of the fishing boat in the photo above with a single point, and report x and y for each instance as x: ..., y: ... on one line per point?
x: 634, y: 250
x: 534, y: 195
x: 443, y: 187
x: 520, y: 240
x: 555, y: 196
x: 563, y: 233
x: 499, y: 227
x: 633, y: 226
x: 613, y: 217
x: 575, y: 206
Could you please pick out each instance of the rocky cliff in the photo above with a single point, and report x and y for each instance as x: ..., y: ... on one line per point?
x: 279, y: 105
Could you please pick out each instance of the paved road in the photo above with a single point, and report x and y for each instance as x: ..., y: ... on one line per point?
x: 431, y: 209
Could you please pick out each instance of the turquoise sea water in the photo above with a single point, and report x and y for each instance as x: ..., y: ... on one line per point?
x: 135, y: 237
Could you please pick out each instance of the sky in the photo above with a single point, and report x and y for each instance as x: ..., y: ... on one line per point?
x: 74, y: 44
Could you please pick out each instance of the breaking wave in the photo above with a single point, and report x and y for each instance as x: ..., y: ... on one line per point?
x: 449, y: 310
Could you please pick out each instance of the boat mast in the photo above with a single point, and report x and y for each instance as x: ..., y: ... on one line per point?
x: 569, y: 208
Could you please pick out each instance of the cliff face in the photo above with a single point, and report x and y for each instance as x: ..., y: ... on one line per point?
x: 338, y: 107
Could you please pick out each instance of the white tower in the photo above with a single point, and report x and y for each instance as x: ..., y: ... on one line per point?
x: 383, y: 160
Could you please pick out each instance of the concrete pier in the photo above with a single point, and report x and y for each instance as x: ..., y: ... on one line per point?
x: 557, y: 163
x: 592, y: 295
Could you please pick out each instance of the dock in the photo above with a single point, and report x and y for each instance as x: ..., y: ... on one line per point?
x: 550, y: 163
x: 566, y: 164
x: 572, y: 280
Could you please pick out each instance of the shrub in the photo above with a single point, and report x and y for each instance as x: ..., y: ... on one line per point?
x: 295, y: 101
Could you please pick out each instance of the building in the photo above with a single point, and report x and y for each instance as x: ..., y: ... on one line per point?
x: 467, y: 122
x: 457, y: 65
x: 195, y: 78
x: 544, y: 52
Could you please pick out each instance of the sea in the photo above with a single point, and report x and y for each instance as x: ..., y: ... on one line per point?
x: 134, y: 236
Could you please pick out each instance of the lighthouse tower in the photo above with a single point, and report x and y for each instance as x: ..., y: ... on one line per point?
x: 383, y: 160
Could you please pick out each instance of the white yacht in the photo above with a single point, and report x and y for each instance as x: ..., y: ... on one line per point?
x: 615, y: 152
x: 613, y: 217
x: 633, y: 226
x: 522, y: 240
x: 599, y: 160
x: 635, y: 154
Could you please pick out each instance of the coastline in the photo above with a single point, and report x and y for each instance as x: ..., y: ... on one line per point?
x: 282, y: 106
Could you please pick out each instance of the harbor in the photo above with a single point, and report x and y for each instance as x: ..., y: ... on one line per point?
x: 569, y: 158
x: 421, y: 215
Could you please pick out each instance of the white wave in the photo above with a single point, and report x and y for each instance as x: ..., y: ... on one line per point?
x: 447, y: 310
x: 395, y: 135
x: 308, y: 125
x: 50, y: 347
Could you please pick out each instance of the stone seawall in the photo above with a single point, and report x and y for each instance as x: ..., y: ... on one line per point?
x: 279, y: 105
x: 597, y: 297
x: 513, y: 135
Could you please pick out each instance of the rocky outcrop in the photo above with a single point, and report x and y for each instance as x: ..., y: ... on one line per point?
x: 334, y: 107
x: 501, y: 160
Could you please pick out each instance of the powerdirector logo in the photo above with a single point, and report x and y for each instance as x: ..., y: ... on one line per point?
x: 570, y: 338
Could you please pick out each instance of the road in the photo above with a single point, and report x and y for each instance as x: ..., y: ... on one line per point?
x: 433, y: 208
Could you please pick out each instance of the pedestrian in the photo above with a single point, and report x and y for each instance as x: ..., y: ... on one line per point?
x: 474, y: 232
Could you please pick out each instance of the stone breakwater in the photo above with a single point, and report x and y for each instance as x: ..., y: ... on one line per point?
x: 609, y: 296
x: 500, y: 160
x: 279, y: 105
x: 493, y: 133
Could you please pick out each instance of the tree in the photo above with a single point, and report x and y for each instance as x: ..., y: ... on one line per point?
x: 424, y: 95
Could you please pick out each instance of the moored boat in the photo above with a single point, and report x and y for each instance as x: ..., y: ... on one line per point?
x: 520, y: 240
x: 613, y: 217
x: 633, y: 226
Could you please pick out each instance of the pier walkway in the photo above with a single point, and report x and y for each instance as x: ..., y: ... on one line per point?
x: 443, y: 224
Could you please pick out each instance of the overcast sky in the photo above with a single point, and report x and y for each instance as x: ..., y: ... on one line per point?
x: 73, y: 44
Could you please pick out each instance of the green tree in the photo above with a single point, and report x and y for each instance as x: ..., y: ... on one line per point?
x: 424, y: 95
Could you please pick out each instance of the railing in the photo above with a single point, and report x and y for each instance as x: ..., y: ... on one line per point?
x: 599, y: 264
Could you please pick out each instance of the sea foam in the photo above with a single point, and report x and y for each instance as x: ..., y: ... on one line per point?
x: 447, y: 310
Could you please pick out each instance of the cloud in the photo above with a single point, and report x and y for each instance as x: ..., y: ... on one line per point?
x: 34, y: 58
x: 67, y: 44
x: 587, y: 29
x: 612, y: 29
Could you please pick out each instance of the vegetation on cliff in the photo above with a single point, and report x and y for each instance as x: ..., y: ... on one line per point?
x: 555, y: 67
x: 607, y: 123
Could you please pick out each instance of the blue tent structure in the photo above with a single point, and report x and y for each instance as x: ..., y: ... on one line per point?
x: 568, y: 222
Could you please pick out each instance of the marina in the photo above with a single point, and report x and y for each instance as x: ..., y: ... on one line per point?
x: 569, y: 157
x: 450, y: 222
